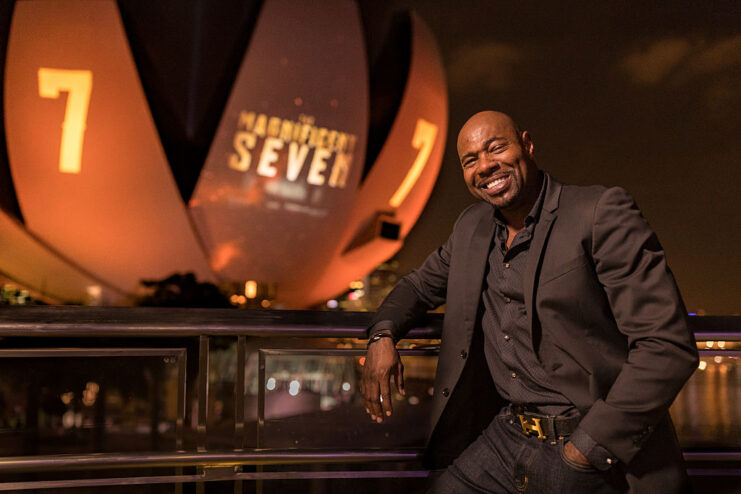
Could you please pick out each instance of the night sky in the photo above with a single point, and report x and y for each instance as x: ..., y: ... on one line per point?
x: 644, y: 95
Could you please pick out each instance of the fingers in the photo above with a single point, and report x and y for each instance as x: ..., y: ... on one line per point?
x: 372, y: 402
x: 399, y: 378
x: 573, y: 454
x: 371, y: 392
x: 376, y: 393
x: 386, y: 395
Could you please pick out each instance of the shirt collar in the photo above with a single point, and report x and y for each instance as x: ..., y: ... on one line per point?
x: 534, y: 213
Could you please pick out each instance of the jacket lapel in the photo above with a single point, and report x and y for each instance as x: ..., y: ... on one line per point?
x: 548, y: 215
x: 478, y: 254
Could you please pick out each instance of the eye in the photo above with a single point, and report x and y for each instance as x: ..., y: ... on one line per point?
x: 468, y: 163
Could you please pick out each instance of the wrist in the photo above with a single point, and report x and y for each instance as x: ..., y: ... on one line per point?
x: 597, y: 455
x: 381, y: 335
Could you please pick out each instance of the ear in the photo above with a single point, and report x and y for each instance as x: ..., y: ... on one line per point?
x: 527, y: 144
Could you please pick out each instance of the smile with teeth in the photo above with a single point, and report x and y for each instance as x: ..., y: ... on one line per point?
x: 497, y: 185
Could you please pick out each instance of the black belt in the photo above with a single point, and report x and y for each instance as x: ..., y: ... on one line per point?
x: 543, y: 426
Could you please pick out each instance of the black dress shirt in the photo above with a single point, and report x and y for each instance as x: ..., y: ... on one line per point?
x: 515, y: 369
x: 514, y: 366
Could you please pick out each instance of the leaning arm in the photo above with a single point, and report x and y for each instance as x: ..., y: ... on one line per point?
x: 415, y: 294
x: 418, y: 292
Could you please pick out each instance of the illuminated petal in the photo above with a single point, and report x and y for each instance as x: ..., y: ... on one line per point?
x: 32, y: 265
x: 402, y: 177
x: 275, y: 193
x: 91, y: 177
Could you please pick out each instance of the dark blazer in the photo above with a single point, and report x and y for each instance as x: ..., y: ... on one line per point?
x: 607, y: 322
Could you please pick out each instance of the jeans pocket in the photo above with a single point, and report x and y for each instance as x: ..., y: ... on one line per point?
x: 571, y: 463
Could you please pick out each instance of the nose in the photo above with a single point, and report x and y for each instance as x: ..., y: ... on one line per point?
x: 487, y: 166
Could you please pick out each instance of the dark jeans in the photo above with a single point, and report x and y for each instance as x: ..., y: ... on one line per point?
x: 504, y: 460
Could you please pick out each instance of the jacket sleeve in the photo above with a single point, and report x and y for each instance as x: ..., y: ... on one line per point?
x: 421, y: 290
x: 648, y: 310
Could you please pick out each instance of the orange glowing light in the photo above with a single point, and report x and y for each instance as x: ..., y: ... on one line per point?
x: 423, y: 139
x: 250, y: 289
x: 78, y: 84
x: 222, y: 255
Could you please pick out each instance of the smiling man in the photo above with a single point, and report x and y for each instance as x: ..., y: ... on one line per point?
x: 565, y: 338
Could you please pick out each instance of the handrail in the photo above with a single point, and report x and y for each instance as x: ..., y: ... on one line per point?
x: 253, y: 457
x: 47, y: 321
x: 48, y: 463
x: 54, y: 321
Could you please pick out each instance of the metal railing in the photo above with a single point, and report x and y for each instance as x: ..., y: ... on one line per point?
x: 104, y: 327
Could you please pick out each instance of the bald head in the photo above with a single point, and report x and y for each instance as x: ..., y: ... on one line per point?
x: 503, y: 123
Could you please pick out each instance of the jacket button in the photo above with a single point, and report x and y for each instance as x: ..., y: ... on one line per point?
x: 464, y: 354
x: 446, y: 392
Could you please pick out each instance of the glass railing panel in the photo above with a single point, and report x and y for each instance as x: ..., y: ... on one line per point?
x: 55, y: 401
x: 707, y: 412
x: 312, y: 400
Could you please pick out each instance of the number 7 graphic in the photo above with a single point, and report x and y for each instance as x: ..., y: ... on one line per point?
x: 423, y: 139
x: 78, y: 84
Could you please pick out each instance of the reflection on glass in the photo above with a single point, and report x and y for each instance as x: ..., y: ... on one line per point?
x: 707, y: 412
x: 313, y: 401
x: 56, y: 405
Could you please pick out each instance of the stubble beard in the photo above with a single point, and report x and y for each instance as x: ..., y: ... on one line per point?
x: 507, y: 198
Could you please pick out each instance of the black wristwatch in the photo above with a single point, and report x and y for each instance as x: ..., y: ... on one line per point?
x: 380, y: 335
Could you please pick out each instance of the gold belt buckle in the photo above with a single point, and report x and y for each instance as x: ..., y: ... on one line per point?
x: 531, y: 425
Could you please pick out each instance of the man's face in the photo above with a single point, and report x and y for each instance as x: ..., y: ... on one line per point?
x: 497, y: 162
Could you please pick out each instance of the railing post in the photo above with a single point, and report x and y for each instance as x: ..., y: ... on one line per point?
x: 260, y: 398
x: 260, y: 412
x: 182, y: 400
x: 203, y: 353
x: 239, y: 391
x: 202, y: 391
x: 180, y: 421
